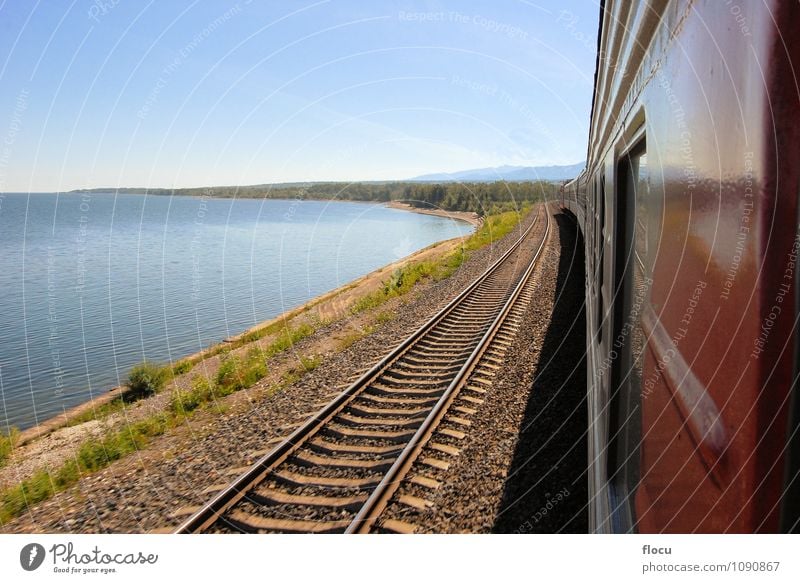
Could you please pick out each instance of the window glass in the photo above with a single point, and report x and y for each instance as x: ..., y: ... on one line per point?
x: 600, y: 248
x: 632, y: 291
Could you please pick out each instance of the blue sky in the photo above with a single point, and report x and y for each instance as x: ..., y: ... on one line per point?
x: 177, y: 94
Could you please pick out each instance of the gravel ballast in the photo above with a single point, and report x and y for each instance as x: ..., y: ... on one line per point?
x: 521, y: 467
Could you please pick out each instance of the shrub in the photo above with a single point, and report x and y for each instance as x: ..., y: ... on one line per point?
x: 255, y: 366
x: 368, y: 301
x: 230, y: 377
x: 182, y: 366
x: 450, y: 264
x: 385, y: 316
x: 235, y: 374
x: 91, y: 456
x: 17, y: 499
x: 309, y: 363
x: 98, y: 412
x: 7, y: 442
x: 354, y: 336
x: 96, y: 454
x: 146, y: 379
x: 288, y: 337
x: 184, y: 402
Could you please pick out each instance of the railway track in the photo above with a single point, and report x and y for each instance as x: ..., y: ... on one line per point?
x: 340, y: 469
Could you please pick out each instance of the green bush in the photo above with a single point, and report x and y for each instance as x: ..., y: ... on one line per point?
x: 288, y: 337
x: 450, y: 264
x: 17, y: 499
x: 235, y: 373
x: 368, y: 301
x: 402, y: 281
x: 255, y: 366
x: 98, y: 412
x: 229, y: 374
x: 202, y: 391
x: 182, y: 366
x: 385, y: 316
x: 309, y: 363
x: 91, y: 456
x: 7, y: 442
x: 96, y: 454
x: 354, y: 336
x: 146, y: 379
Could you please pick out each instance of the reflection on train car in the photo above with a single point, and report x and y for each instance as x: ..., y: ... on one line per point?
x: 688, y: 205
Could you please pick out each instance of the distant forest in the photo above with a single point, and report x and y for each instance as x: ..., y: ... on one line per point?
x: 480, y: 197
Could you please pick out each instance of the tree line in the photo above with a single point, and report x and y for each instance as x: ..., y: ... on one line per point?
x: 479, y: 197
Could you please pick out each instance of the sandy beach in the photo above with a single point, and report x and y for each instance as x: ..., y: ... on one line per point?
x: 472, y: 218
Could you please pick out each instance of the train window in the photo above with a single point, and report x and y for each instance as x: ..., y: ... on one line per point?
x: 599, y: 245
x: 627, y: 349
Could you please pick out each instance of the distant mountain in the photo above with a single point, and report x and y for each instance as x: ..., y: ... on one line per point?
x: 510, y: 173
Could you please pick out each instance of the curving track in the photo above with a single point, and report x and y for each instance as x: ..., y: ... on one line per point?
x: 339, y: 470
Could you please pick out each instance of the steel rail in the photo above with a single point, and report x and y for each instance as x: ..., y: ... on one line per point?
x: 376, y: 503
x: 234, y: 492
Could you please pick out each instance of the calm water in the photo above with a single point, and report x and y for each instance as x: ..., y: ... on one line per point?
x: 92, y: 284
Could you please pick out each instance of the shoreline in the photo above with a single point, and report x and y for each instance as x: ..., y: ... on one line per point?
x: 363, y: 284
x: 468, y: 217
x: 196, y: 451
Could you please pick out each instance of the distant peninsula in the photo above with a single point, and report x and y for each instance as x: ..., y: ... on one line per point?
x: 480, y: 197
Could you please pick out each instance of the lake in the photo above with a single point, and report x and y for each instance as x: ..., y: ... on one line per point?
x: 93, y: 283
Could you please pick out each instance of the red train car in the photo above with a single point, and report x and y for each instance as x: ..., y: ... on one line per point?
x: 689, y: 208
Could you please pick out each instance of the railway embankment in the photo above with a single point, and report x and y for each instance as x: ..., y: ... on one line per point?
x: 342, y: 334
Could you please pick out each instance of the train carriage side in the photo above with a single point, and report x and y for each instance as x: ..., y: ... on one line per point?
x: 690, y: 194
x: 574, y: 199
